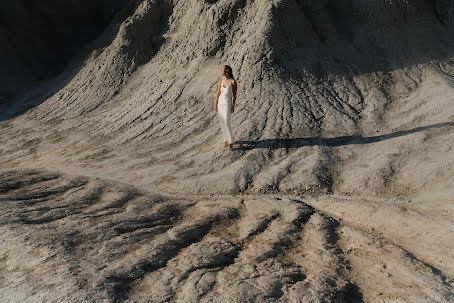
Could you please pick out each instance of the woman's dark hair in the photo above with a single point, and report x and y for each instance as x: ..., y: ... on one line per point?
x: 230, y: 71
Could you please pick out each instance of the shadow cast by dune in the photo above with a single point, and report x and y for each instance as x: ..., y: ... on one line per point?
x: 54, y: 67
x: 337, y: 141
x: 349, y: 39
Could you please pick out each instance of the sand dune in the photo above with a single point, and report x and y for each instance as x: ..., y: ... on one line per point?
x: 115, y: 185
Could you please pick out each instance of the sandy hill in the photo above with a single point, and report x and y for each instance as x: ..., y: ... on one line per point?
x: 339, y: 187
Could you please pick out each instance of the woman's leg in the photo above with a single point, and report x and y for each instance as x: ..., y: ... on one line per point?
x: 222, y: 121
x: 229, y: 124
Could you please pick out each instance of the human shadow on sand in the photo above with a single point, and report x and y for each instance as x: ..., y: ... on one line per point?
x: 337, y: 141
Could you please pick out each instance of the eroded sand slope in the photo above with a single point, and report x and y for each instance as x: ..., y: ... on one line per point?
x: 339, y: 188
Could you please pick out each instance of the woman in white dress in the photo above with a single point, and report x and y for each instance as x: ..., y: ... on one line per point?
x: 225, y: 104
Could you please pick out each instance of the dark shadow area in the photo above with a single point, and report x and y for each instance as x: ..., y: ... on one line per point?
x: 150, y: 31
x: 348, y: 37
x: 44, y: 35
x: 351, y: 293
x: 338, y: 141
x: 43, y: 45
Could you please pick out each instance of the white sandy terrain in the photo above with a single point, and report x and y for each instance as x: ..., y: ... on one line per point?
x: 115, y: 185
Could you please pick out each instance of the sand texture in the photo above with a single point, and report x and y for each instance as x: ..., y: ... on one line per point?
x: 115, y: 185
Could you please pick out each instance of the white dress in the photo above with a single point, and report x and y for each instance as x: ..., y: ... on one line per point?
x: 224, y: 111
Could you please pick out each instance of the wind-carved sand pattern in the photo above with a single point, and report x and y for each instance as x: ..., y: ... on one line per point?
x: 115, y: 187
x: 97, y: 240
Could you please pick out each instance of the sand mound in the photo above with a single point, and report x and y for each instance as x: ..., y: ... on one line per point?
x: 342, y: 99
x: 145, y: 100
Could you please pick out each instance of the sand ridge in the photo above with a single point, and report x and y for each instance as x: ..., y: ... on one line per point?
x: 339, y: 187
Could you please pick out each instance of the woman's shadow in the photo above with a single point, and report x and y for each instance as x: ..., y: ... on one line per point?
x: 337, y: 141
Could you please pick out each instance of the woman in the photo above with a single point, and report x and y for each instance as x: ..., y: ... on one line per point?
x: 225, y: 101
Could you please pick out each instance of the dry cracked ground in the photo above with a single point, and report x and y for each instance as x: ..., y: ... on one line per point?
x: 68, y: 238
x: 115, y: 186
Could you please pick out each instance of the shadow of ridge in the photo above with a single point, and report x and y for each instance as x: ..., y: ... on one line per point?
x: 337, y: 141
x: 362, y: 44
x: 41, y: 91
x: 67, y: 59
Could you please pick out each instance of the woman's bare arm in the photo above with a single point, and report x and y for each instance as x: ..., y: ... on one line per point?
x: 234, y: 90
x: 217, y: 96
